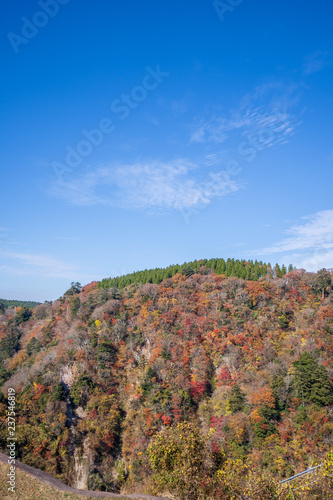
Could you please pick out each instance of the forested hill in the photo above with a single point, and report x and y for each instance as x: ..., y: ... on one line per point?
x: 204, y: 386
x: 5, y: 303
x: 246, y: 269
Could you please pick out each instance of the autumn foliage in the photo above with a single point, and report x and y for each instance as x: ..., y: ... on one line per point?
x: 201, y: 384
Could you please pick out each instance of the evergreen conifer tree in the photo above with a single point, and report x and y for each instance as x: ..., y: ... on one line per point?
x: 311, y: 381
x: 237, y: 399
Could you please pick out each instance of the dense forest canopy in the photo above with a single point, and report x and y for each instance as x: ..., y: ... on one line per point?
x: 246, y: 269
x: 6, y: 304
x: 202, y: 385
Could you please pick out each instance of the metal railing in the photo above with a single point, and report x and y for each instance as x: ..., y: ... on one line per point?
x: 301, y: 475
x: 308, y: 471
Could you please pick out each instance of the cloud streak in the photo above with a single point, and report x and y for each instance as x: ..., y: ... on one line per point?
x: 310, y: 245
x: 315, y: 62
x: 153, y: 185
x: 41, y: 265
x: 316, y: 233
x: 260, y: 110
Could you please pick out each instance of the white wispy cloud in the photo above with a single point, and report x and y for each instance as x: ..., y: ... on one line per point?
x: 41, y: 265
x: 145, y: 185
x: 315, y: 233
x: 213, y: 130
x: 310, y: 243
x: 263, y: 114
x: 315, y: 62
x: 312, y: 262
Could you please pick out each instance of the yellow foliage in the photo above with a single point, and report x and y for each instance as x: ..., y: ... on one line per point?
x: 255, y: 417
x: 236, y: 426
x: 61, y: 418
x: 17, y: 360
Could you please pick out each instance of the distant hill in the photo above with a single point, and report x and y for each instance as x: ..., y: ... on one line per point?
x: 19, y: 303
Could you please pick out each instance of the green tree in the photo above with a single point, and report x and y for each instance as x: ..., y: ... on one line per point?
x: 10, y: 344
x: 75, y: 288
x: 187, y: 271
x: 59, y: 393
x: 278, y: 271
x: 283, y: 321
x: 34, y: 346
x: 4, y: 375
x: 236, y: 399
x: 74, y: 305
x: 22, y: 316
x: 324, y: 281
x: 311, y: 381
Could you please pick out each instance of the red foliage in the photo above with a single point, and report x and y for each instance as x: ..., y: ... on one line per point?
x: 38, y: 450
x: 215, y: 447
x: 89, y: 287
x: 224, y: 376
x: 166, y: 420
x: 109, y: 439
x: 197, y: 389
x: 177, y: 413
x: 93, y: 414
x: 41, y: 388
x: 216, y: 422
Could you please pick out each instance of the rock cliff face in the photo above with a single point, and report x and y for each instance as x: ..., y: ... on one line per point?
x: 81, y: 465
x: 100, y: 372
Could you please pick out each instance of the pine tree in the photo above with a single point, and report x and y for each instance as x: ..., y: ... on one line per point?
x: 237, y: 399
x: 311, y: 381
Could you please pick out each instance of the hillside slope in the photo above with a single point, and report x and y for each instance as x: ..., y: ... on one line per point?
x: 33, y: 484
x: 106, y: 377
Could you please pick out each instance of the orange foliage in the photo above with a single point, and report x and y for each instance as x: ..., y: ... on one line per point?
x: 262, y: 397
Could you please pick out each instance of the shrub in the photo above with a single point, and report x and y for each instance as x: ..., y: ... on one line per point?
x: 178, y: 455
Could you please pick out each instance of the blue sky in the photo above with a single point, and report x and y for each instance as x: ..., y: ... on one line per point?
x: 142, y: 134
